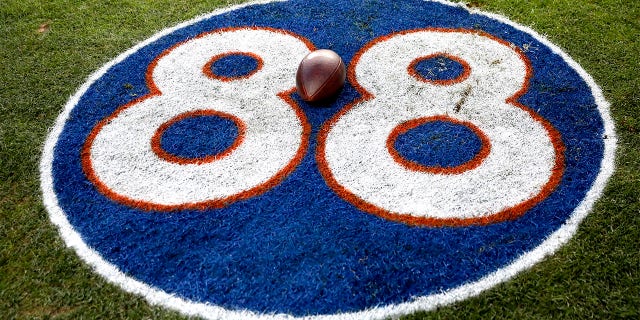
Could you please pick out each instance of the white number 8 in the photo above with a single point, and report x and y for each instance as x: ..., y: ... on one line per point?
x: 120, y: 159
x: 524, y: 161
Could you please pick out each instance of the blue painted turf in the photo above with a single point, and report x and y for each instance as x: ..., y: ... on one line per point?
x: 438, y: 68
x: 199, y: 137
x: 439, y: 144
x: 299, y: 248
x: 234, y: 66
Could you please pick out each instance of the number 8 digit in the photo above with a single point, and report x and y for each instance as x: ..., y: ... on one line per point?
x: 123, y: 159
x: 521, y: 159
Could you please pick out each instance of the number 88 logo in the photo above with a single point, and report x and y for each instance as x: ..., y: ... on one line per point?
x: 521, y: 153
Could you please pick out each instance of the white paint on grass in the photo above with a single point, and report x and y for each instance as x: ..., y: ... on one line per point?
x: 521, y: 158
x: 121, y: 155
x: 158, y: 297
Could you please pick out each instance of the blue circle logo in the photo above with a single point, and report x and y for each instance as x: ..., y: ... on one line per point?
x: 462, y: 150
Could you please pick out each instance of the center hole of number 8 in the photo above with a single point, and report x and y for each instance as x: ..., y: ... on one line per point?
x: 438, y: 145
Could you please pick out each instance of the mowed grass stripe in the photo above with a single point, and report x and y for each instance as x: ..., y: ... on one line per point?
x: 48, y: 49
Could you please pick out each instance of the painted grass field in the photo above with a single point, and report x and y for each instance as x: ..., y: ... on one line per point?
x: 49, y: 48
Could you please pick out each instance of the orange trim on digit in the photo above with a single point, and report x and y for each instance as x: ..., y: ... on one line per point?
x: 209, y: 72
x: 504, y: 215
x: 466, y: 69
x: 414, y: 166
x: 162, y: 154
x: 211, y: 204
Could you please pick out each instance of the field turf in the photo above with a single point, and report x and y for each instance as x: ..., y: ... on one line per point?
x: 49, y: 48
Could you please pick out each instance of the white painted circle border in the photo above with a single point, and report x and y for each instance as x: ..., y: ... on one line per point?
x: 158, y: 297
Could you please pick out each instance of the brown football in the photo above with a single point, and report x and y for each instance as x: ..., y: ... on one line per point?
x: 321, y: 75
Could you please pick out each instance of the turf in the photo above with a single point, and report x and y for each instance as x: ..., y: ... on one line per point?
x: 48, y: 48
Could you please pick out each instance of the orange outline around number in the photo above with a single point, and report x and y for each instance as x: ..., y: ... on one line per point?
x: 156, y: 145
x: 414, y: 166
x: 466, y: 69
x: 209, y: 73
x: 154, y: 91
x: 504, y: 215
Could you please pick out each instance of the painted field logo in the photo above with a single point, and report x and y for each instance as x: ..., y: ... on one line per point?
x: 462, y: 150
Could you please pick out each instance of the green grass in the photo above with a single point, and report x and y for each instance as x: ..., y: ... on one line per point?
x: 596, y: 275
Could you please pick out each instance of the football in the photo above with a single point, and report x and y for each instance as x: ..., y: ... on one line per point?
x: 321, y: 75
